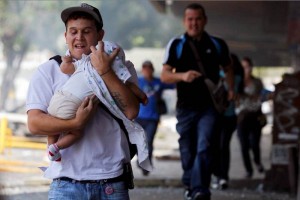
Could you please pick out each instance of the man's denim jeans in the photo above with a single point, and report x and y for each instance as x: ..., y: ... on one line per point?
x: 66, y: 190
x: 196, y: 130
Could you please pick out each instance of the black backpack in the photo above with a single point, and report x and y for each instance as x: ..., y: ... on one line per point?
x: 132, y: 147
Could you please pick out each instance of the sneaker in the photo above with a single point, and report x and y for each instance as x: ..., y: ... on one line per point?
x: 200, y: 196
x: 214, y: 183
x: 187, y: 194
x: 248, y: 175
x: 53, y: 153
x: 223, y: 184
x: 260, y: 168
x: 145, y: 172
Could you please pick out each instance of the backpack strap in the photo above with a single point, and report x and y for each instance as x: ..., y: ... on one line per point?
x: 57, y: 58
x: 217, y: 44
x: 179, y: 46
x: 183, y: 39
x: 132, y: 147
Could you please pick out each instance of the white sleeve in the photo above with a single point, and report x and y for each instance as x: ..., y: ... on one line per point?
x: 40, y: 89
x: 132, y: 71
x: 75, y: 64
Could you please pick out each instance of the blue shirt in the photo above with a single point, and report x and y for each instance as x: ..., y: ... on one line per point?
x: 153, y: 89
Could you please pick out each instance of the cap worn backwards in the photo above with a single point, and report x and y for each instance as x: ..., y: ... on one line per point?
x: 84, y: 7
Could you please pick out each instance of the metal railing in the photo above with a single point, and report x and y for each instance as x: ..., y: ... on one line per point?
x: 8, y: 140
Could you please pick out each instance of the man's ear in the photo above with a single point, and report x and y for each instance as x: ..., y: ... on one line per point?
x: 101, y: 35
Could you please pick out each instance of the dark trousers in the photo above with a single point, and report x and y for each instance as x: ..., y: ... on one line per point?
x: 150, y: 127
x: 226, y: 127
x: 196, y: 130
x: 249, y: 133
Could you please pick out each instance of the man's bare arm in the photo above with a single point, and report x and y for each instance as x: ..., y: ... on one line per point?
x: 41, y: 123
x: 169, y: 76
x: 123, y: 96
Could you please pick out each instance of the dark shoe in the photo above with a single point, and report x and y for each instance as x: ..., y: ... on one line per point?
x: 200, y: 196
x: 223, y: 184
x: 248, y: 175
x: 145, y: 172
x: 260, y: 168
x: 187, y: 194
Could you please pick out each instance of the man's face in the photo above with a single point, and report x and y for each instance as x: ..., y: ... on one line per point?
x: 247, y: 67
x: 80, y: 35
x: 194, y: 22
x: 147, y: 71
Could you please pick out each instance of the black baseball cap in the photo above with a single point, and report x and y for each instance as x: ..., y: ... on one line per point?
x: 84, y: 7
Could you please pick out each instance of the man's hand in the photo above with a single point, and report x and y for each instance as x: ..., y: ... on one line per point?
x: 86, y: 110
x: 66, y: 59
x: 67, y: 67
x: 100, y: 60
x: 190, y: 76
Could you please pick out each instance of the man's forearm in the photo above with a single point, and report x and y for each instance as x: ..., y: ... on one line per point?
x: 170, y: 77
x: 123, y: 96
x: 40, y: 123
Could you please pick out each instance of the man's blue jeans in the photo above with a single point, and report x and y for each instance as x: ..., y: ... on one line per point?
x: 66, y: 190
x: 196, y: 130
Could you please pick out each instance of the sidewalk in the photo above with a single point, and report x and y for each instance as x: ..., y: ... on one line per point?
x: 167, y: 167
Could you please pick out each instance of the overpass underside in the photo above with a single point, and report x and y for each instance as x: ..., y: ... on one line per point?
x: 269, y: 32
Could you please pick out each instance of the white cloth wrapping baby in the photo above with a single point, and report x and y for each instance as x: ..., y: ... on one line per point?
x: 135, y: 132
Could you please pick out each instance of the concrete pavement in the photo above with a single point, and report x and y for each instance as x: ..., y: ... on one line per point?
x: 166, y: 174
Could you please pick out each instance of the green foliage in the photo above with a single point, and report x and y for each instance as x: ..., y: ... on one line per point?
x: 134, y: 23
x: 36, y: 25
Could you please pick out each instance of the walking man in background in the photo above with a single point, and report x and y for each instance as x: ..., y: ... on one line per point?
x: 196, y: 113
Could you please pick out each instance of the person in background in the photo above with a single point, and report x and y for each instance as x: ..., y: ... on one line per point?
x: 249, y: 111
x: 149, y: 115
x: 227, y: 125
x: 195, y: 111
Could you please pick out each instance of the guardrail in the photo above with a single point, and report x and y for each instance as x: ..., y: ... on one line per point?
x: 8, y: 140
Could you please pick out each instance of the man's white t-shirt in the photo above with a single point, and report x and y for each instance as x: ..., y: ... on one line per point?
x: 103, y: 148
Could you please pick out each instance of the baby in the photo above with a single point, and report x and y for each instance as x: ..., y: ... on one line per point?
x: 66, y: 101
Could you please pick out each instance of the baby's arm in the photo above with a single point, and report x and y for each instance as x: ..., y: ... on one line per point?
x: 132, y: 83
x: 141, y: 96
x: 67, y: 66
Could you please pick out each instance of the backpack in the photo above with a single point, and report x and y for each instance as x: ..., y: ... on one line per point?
x: 217, y: 91
x: 183, y: 40
x: 132, y: 147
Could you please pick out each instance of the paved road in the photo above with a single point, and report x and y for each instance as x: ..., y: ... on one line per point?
x: 159, y: 193
x: 20, y: 179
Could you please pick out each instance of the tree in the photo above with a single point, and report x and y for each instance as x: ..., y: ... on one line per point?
x: 22, y: 28
x: 35, y: 25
